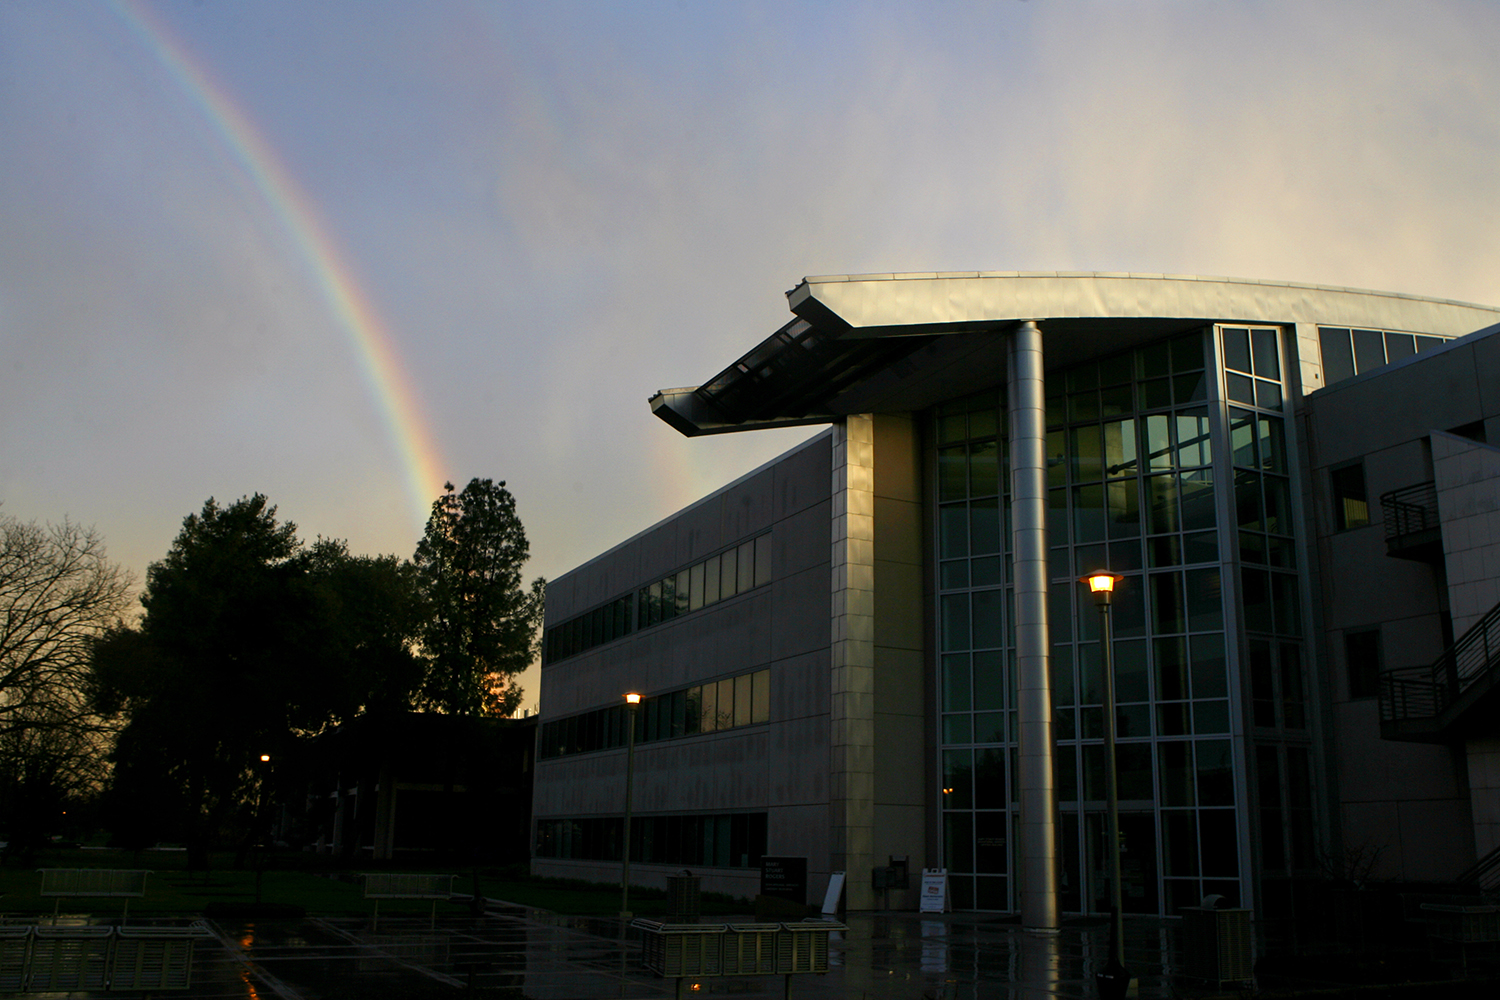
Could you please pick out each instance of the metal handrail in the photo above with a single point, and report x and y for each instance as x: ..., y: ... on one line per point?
x: 1426, y: 692
x: 1484, y: 873
x: 1410, y: 510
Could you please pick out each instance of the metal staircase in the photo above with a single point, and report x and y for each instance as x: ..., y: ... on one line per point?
x: 1432, y: 704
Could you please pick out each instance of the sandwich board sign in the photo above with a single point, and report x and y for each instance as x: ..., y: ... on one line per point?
x: 935, y: 897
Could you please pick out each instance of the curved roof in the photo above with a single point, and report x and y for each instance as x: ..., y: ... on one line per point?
x: 875, y: 342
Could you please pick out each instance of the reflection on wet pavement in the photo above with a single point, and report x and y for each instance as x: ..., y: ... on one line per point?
x: 530, y: 953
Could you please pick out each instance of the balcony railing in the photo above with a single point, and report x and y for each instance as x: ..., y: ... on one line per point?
x: 1412, y: 528
x: 1413, y: 696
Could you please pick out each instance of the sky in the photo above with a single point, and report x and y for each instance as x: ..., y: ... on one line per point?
x: 340, y: 252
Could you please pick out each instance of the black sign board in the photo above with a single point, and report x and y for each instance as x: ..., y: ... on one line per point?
x: 784, y: 878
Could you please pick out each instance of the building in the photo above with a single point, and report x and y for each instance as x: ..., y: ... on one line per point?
x: 876, y: 645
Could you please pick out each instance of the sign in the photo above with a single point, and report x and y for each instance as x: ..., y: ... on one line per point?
x: 835, y: 893
x: 784, y: 878
x: 935, y: 891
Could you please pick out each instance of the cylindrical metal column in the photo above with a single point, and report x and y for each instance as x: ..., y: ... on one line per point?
x: 1037, y: 852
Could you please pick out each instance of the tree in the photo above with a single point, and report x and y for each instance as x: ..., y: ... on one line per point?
x: 213, y: 676
x: 250, y: 642
x: 58, y: 593
x: 480, y: 626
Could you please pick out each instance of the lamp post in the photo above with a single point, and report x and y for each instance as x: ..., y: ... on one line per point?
x: 632, y: 705
x: 1114, y: 979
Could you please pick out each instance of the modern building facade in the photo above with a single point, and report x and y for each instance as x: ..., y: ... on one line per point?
x: 877, y: 645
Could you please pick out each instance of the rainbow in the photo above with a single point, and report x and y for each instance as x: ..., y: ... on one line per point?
x: 395, y: 396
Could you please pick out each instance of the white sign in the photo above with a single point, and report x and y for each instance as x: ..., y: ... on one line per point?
x: 835, y: 890
x: 935, y: 891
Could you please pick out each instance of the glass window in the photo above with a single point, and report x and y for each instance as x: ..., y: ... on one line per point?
x: 1263, y: 349
x: 760, y: 710
x: 1399, y: 345
x: 1338, y: 355
x: 1369, y: 350
x: 711, y: 581
x: 708, y: 704
x: 729, y: 573
x: 724, y: 719
x: 984, y: 470
x: 746, y: 567
x: 744, y: 704
x: 1351, y: 508
x: 1236, y: 348
x: 763, y: 560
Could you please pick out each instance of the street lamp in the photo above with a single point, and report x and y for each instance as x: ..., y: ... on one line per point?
x: 1114, y: 979
x: 632, y: 705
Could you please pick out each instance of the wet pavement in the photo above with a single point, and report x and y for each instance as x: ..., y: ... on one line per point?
x: 521, y: 952
x: 530, y: 953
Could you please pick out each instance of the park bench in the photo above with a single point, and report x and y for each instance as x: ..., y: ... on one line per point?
x: 42, y: 959
x: 97, y: 882
x: 403, y: 885
x: 701, y: 951
x: 1465, y: 926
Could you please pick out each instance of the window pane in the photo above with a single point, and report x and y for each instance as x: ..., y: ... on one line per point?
x: 1263, y: 345
x: 743, y: 702
x: 1338, y: 356
x: 1166, y: 604
x: 1351, y: 508
x: 760, y: 697
x: 1369, y: 350
x: 956, y: 683
x: 1236, y: 348
x: 985, y: 526
x: 1399, y: 345
x: 1192, y: 439
x: 729, y: 573
x: 1088, y: 513
x: 711, y: 573
x: 1158, y: 440
x: 1197, y: 489
x: 747, y: 567
x: 1088, y: 454
x: 1362, y: 663
x: 988, y: 623
x: 763, y: 560
x: 725, y: 717
x: 955, y: 622
x: 708, y: 702
x: 682, y: 595
x: 984, y: 470
x: 953, y: 468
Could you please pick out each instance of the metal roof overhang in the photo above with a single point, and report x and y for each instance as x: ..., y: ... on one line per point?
x: 892, y: 343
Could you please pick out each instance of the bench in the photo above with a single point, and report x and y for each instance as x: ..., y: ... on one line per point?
x: 63, y: 959
x: 1464, y: 926
x: 703, y: 951
x: 401, y: 885
x: 100, y: 882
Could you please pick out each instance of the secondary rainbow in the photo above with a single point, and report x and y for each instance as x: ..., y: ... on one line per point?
x: 396, y: 398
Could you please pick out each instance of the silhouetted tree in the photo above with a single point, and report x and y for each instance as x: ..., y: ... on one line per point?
x: 479, y: 624
x: 58, y: 593
x: 249, y: 642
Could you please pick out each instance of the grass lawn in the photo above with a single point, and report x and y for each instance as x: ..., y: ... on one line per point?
x: 286, y: 881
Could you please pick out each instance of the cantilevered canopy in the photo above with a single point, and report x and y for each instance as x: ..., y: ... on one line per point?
x: 898, y: 342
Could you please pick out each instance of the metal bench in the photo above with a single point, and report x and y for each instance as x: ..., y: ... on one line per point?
x: 703, y: 951
x: 64, y: 959
x: 401, y: 885
x: 101, y: 882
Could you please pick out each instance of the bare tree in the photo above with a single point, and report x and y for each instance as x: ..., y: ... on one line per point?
x: 59, y: 593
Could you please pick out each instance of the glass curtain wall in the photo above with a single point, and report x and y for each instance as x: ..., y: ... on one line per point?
x: 1133, y: 464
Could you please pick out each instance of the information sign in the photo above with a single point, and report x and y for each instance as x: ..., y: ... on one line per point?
x: 935, y: 891
x: 784, y: 878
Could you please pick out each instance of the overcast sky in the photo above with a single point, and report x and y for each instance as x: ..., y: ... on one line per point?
x: 337, y: 252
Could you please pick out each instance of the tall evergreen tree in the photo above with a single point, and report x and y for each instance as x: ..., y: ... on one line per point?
x: 480, y: 625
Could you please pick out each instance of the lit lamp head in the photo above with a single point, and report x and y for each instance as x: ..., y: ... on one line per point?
x: 265, y: 758
x: 1101, y: 585
x: 632, y: 700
